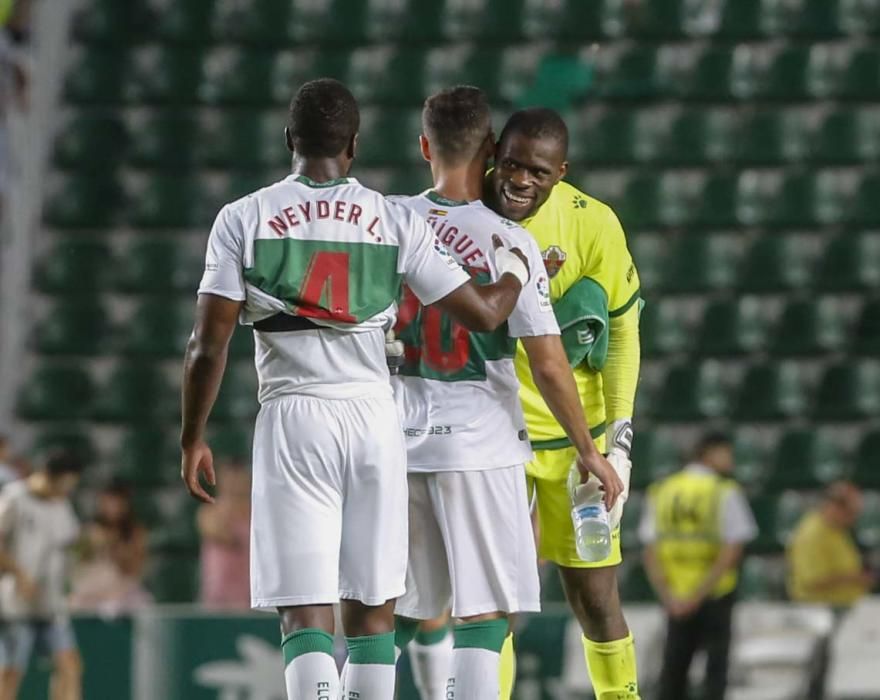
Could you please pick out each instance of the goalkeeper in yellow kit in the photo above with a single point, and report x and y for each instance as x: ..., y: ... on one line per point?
x: 580, y: 238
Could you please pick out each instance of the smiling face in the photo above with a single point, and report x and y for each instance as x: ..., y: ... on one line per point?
x: 526, y: 170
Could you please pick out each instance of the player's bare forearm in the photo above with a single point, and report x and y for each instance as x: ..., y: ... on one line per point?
x: 482, y: 308
x: 726, y: 560
x: 205, y: 362
x: 552, y: 374
x: 620, y: 375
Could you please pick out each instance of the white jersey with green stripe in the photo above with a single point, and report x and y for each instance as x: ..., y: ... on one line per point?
x: 457, y: 392
x: 325, y: 262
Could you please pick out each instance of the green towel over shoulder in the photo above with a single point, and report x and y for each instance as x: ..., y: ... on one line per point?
x: 582, y: 313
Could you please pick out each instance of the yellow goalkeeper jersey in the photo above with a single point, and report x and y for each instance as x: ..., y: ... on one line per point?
x: 579, y: 236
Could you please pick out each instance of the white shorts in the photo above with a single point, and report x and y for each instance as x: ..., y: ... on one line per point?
x: 329, y: 502
x: 471, y: 545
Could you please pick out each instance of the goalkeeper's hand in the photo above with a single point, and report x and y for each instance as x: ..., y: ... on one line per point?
x: 394, y: 352
x: 620, y: 436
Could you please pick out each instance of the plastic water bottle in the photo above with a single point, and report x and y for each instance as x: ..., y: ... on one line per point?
x: 592, y: 533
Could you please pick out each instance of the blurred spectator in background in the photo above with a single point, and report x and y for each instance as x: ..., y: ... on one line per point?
x: 694, y: 527
x: 224, y: 527
x: 8, y: 472
x: 824, y: 564
x: 14, y: 32
x: 37, y: 529
x: 114, y: 556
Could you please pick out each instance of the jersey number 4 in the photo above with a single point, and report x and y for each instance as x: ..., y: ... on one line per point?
x: 324, y: 289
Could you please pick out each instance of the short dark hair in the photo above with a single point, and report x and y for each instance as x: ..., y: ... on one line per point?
x: 456, y: 122
x: 323, y: 119
x: 537, y: 122
x: 59, y: 462
x: 711, y: 440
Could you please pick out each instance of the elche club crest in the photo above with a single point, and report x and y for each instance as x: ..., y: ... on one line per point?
x: 554, y: 258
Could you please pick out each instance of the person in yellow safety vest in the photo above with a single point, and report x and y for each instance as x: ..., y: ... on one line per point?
x: 694, y: 528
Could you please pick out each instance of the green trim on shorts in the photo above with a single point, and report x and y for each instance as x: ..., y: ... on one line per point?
x: 489, y: 635
x: 306, y: 641
x: 561, y: 443
x: 405, y: 629
x: 431, y: 637
x: 371, y: 649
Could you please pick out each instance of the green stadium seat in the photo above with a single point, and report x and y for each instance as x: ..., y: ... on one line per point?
x: 238, y: 394
x: 183, y: 22
x: 701, y: 262
x: 389, y: 137
x: 174, y: 578
x: 740, y: 19
x: 160, y: 266
x: 776, y: 515
x: 849, y: 391
x: 762, y: 578
x: 261, y: 22
x: 810, y: 327
x: 91, y: 139
x: 866, y: 207
x: 230, y: 441
x: 614, y: 136
x: 369, y: 68
x: 74, y: 265
x: 774, y: 136
x: 650, y: 252
x: 564, y: 21
x: 654, y: 456
x: 778, y: 198
x: 694, y: 392
x: 769, y: 72
x: 868, y: 525
x: 164, y: 139
x: 159, y: 327
x: 243, y: 139
x: 848, y: 136
x: 733, y: 327
x: 771, y: 391
x: 638, y: 205
x: 164, y: 75
x: 751, y: 457
x: 74, y: 327
x: 109, y: 22
x: 867, y: 462
x: 237, y: 77
x: 658, y: 19
x: 135, y: 393
x: 148, y: 456
x: 851, y: 263
x: 629, y: 73
x: 700, y: 73
x: 167, y: 201
x: 57, y: 391
x: 806, y: 459
x: 96, y: 76
x: 867, y: 335
x: 848, y: 70
x: 293, y: 68
x: 777, y: 262
x: 64, y: 436
x: 697, y: 136
x: 322, y: 21
x: 83, y: 201
x: 803, y: 18
x: 663, y: 328
x: 859, y: 16
x: 485, y: 21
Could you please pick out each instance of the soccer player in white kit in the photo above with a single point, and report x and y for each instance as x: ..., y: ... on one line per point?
x: 315, y: 263
x: 471, y: 541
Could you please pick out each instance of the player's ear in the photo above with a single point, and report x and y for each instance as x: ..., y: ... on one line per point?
x: 288, y: 139
x: 351, y: 150
x: 490, y: 146
x: 425, y: 147
x: 563, y: 169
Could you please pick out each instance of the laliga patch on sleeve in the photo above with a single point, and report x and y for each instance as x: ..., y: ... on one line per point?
x: 542, y: 284
x: 444, y: 253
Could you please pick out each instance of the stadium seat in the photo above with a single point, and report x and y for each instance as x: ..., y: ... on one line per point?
x: 848, y: 70
x: 628, y: 73
x: 136, y: 393
x: 389, y: 137
x: 654, y: 455
x: 320, y: 21
x: 806, y: 459
x: 697, y: 136
x: 859, y: 17
x: 64, y: 436
x: 849, y: 391
x: 866, y: 206
x: 231, y: 441
x: 96, y: 76
x: 237, y: 77
x: 163, y: 139
x: 241, y: 138
x: 183, y: 22
x: 693, y: 392
x: 159, y: 327
x: 148, y: 456
x: 732, y: 327
x: 567, y: 20
x: 663, y: 328
x: 483, y: 21
x: 772, y: 136
x: 851, y: 263
x: 74, y: 327
x: 608, y: 136
x: 238, y: 394
x: 801, y: 18
x: 868, y: 525
x: 761, y: 578
x: 57, y: 391
x: 810, y: 327
x: 293, y: 68
x: 848, y: 136
x: 700, y: 262
x: 74, y: 265
x: 370, y: 66
x: 771, y: 391
x: 750, y: 456
x: 776, y: 515
x: 775, y: 72
x: 261, y: 22
x: 658, y: 19
x: 167, y: 201
x: 697, y: 72
x: 158, y: 265
x: 91, y: 139
x: 867, y: 334
x: 649, y: 252
x: 740, y: 19
x: 81, y: 201
x: 109, y: 22
x: 638, y: 204
x: 867, y: 462
x: 164, y: 75
x: 777, y: 262
x: 782, y: 199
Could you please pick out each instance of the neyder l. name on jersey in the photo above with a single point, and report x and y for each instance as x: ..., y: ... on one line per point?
x: 323, y: 264
x: 457, y: 392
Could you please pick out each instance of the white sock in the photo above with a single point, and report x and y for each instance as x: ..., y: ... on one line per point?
x: 369, y: 682
x: 431, y: 666
x: 312, y: 676
x: 474, y: 674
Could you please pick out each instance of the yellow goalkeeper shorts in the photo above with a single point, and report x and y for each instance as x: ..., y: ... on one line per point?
x: 548, y: 484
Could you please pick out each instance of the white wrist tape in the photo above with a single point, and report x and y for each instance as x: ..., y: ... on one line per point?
x: 506, y: 261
